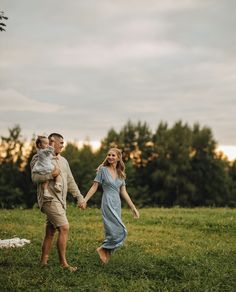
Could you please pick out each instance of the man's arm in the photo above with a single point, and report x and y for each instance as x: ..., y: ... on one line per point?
x: 41, y: 178
x: 72, y: 186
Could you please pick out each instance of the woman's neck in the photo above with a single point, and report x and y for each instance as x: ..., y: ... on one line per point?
x: 113, y: 166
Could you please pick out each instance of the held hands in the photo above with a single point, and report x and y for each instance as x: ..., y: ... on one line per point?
x: 82, y: 205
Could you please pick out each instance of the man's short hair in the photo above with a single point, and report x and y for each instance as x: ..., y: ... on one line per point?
x: 55, y: 135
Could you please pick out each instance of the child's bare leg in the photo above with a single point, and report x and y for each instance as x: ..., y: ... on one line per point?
x: 58, y: 183
x: 58, y: 179
x: 45, y: 185
x: 46, y: 193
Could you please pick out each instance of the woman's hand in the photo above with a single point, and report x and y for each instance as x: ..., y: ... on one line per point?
x: 82, y: 205
x: 135, y: 213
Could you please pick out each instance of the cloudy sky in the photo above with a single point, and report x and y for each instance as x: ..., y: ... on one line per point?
x: 80, y: 67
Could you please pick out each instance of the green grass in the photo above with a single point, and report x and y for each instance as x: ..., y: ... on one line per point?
x: 166, y: 250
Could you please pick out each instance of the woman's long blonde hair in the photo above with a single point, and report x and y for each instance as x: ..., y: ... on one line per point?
x: 120, y: 167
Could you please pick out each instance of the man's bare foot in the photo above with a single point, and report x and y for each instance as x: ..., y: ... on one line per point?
x: 70, y: 268
x: 102, y: 254
x: 44, y: 261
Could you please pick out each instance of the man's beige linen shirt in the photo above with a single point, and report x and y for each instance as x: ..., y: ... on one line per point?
x: 68, y: 182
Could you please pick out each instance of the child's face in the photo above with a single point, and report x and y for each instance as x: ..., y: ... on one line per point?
x: 44, y: 143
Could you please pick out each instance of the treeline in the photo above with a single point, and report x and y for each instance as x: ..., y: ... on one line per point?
x: 172, y: 166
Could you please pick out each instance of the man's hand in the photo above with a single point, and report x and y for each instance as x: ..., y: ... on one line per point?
x: 56, y: 171
x: 82, y: 205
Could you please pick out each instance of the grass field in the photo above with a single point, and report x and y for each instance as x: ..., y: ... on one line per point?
x: 166, y: 250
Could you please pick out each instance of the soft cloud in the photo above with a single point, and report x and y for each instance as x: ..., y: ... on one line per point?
x: 90, y: 65
x: 94, y: 54
x: 11, y: 100
x: 99, y: 55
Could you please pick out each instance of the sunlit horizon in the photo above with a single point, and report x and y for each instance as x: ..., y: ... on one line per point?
x: 95, y: 144
x: 228, y: 150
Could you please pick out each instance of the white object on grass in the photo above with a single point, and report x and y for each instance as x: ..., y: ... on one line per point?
x: 13, y: 242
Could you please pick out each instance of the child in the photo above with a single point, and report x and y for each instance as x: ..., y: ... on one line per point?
x: 111, y: 175
x: 44, y: 164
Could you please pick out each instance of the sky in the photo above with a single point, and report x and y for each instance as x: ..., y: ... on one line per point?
x: 82, y: 67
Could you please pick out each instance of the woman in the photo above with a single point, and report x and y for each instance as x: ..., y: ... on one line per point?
x: 111, y: 175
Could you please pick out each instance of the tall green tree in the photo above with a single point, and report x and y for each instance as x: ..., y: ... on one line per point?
x: 135, y: 139
x: 208, y: 171
x: 232, y: 193
x: 176, y: 165
x: 111, y: 140
x: 2, y: 19
x: 29, y: 189
x: 11, y: 164
x: 170, y: 165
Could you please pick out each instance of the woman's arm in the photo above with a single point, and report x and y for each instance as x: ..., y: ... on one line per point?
x: 91, y: 191
x: 126, y: 197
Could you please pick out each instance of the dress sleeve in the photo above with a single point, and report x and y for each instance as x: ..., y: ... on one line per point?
x: 123, y: 183
x: 99, y: 177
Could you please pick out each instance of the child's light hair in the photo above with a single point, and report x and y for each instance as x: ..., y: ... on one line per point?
x: 39, y: 139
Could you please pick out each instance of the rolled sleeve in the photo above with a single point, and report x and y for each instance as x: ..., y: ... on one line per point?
x: 72, y: 186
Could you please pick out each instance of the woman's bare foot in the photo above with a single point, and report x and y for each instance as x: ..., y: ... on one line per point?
x: 108, y: 254
x: 102, y: 254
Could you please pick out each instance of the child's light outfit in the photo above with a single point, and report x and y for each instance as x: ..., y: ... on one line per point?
x: 44, y: 166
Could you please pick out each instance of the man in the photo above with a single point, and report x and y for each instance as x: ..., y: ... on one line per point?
x: 54, y: 206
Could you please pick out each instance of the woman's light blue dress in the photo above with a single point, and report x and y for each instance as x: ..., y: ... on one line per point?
x: 115, y: 230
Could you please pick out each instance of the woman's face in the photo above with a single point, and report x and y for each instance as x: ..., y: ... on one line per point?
x: 112, y: 157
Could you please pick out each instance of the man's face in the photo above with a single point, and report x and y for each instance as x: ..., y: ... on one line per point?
x: 58, y: 145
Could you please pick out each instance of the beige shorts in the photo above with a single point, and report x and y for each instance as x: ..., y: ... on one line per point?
x: 56, y: 214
